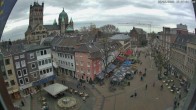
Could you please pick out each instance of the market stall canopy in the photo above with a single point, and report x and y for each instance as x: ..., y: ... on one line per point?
x: 101, y: 75
x: 120, y: 58
x: 110, y: 68
x: 128, y: 52
x: 127, y: 63
x: 55, y: 89
x: 133, y: 57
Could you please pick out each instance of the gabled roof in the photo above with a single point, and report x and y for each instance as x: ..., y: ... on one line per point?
x: 87, y: 48
x: 120, y: 37
x: 68, y: 41
x: 52, y: 27
x: 192, y: 40
x: 96, y: 54
x: 12, y: 49
x: 139, y: 30
x: 69, y: 28
x: 182, y: 39
x: 33, y: 47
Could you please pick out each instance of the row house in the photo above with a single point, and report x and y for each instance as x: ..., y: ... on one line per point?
x: 8, y: 68
x: 110, y: 50
x: 138, y: 37
x: 39, y: 63
x: 63, y: 55
x: 26, y: 68
x: 183, y: 54
x: 5, y: 99
x: 168, y: 36
x: 11, y: 81
x: 88, y: 61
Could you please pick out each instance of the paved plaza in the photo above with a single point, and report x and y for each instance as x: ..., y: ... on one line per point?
x: 100, y: 98
x: 151, y: 99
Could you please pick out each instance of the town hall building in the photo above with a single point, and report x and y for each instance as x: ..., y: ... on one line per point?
x: 37, y: 30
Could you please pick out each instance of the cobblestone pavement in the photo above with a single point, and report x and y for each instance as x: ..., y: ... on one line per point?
x: 151, y: 99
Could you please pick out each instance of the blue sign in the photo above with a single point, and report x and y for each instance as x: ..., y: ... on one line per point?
x: 45, y: 80
x: 5, y: 10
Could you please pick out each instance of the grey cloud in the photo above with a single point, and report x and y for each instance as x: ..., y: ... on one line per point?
x: 67, y: 4
x: 110, y: 4
x: 17, y: 33
x: 182, y: 11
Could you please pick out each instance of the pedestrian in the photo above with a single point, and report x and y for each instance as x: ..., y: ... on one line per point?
x: 22, y: 103
x: 180, y: 96
x: 153, y: 85
x: 135, y: 94
x: 140, y: 73
x: 141, y: 78
x: 146, y: 86
x: 145, y: 69
x: 178, y: 104
x: 175, y: 104
x: 162, y: 87
x: 84, y: 87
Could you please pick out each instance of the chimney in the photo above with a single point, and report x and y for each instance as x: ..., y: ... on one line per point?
x: 195, y: 31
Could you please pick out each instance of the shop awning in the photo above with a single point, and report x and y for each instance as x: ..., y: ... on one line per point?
x: 110, y: 68
x: 120, y: 58
x: 127, y: 63
x: 55, y: 89
x: 101, y: 75
x: 128, y: 52
x: 45, y: 80
x: 133, y: 57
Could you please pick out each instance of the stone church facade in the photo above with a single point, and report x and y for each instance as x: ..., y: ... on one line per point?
x: 37, y: 30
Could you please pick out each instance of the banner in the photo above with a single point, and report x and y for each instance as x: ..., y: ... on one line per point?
x: 6, y: 7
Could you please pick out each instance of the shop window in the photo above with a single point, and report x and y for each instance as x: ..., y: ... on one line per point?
x: 21, y: 81
x: 33, y: 65
x: 19, y: 73
x: 9, y: 72
x: 7, y: 61
x: 24, y: 72
x: 12, y: 82
x: 26, y: 80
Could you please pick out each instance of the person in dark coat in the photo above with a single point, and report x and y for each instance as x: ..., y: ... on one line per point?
x: 135, y: 94
x: 146, y: 86
x: 180, y: 96
x: 22, y: 103
x: 161, y: 87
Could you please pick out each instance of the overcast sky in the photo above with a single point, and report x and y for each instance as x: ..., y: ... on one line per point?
x: 100, y: 12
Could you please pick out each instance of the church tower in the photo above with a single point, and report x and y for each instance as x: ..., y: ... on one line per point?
x: 63, y: 21
x: 36, y: 14
x: 62, y: 26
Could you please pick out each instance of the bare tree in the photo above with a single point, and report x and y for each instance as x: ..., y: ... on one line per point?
x: 109, y: 28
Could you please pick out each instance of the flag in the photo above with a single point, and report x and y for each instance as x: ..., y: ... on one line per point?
x: 6, y: 7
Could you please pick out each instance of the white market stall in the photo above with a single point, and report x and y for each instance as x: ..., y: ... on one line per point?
x: 55, y: 89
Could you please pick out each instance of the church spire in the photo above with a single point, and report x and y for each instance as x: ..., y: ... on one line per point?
x: 54, y: 23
